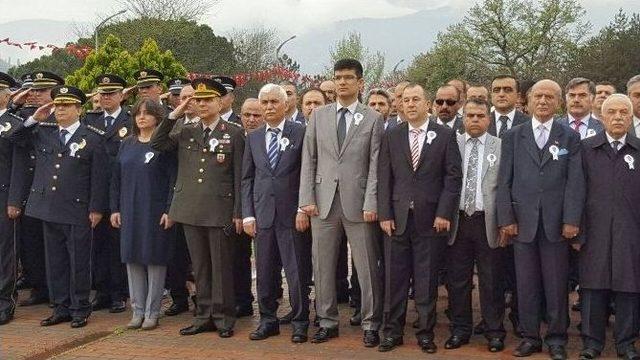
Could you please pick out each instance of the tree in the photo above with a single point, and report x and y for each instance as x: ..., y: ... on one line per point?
x: 351, y: 46
x: 150, y: 56
x: 59, y: 62
x: 255, y: 48
x: 169, y: 9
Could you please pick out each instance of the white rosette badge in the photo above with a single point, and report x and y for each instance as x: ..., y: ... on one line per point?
x: 213, y: 144
x: 357, y: 118
x: 284, y: 142
x: 630, y: 161
x: 148, y: 156
x: 554, y: 151
x: 431, y: 135
x: 491, y: 158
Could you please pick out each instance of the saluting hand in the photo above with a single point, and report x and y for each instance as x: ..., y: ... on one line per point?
x: 94, y: 218
x: 19, y: 96
x: 180, y: 109
x: 43, y: 112
x: 128, y: 91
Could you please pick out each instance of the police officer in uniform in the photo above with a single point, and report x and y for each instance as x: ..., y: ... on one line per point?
x: 175, y: 86
x: 226, y: 113
x: 149, y: 85
x: 68, y: 193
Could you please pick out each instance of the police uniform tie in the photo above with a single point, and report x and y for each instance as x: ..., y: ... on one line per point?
x: 342, y: 126
x: 472, y: 179
x: 63, y: 137
x: 272, y: 151
x: 504, y: 125
x: 108, y: 121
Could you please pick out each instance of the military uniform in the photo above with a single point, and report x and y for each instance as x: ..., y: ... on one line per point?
x: 70, y: 182
x: 206, y: 200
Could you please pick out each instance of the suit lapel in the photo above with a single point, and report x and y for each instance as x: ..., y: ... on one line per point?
x: 352, y: 129
x: 554, y: 139
x: 489, y: 148
x: 530, y: 144
x: 425, y: 145
x: 332, y: 114
x: 261, y: 134
x: 404, y: 142
x: 286, y: 133
x: 77, y: 137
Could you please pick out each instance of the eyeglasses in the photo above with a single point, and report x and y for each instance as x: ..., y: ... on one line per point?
x: 449, y: 102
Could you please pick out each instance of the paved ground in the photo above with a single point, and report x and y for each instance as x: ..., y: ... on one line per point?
x: 106, y: 338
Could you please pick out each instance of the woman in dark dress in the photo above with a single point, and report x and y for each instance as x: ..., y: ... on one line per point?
x: 140, y: 197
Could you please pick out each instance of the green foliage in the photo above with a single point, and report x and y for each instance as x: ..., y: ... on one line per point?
x: 59, y: 62
x: 351, y: 47
x: 151, y: 57
x: 255, y: 48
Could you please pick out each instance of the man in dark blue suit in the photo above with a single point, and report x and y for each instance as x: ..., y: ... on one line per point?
x: 69, y: 193
x: 114, y: 123
x: 271, y: 168
x: 504, y: 96
x: 540, y: 199
x: 580, y: 94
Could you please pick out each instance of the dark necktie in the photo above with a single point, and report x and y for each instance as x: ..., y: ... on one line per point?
x: 63, y: 137
x: 207, y: 132
x: 504, y: 125
x: 272, y: 151
x: 615, y: 145
x: 342, y: 126
x: 108, y: 121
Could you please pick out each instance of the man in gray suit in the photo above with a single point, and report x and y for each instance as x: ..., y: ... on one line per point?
x: 579, y: 94
x: 474, y: 237
x: 633, y: 91
x: 540, y: 200
x: 338, y: 190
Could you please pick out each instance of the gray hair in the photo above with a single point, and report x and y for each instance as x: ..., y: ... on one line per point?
x: 625, y: 99
x: 269, y: 88
x: 634, y: 80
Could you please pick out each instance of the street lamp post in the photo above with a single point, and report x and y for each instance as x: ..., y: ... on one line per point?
x: 104, y: 22
x: 281, y: 45
x: 395, y: 68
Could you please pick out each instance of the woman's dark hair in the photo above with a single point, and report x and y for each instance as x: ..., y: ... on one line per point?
x: 152, y: 107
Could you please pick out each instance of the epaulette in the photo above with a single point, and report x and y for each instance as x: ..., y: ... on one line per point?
x: 94, y: 112
x: 49, y: 124
x: 15, y: 116
x: 232, y: 123
x: 96, y: 130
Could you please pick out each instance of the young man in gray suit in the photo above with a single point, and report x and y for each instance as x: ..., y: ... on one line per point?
x: 338, y: 190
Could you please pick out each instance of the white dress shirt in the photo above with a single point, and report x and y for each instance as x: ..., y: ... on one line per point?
x: 510, y: 115
x: 227, y: 115
x: 636, y: 125
x: 71, y: 130
x: 3, y: 111
x: 421, y: 138
x: 348, y: 116
x: 536, y: 132
x: 584, y: 124
x: 115, y: 114
x: 468, y: 145
x: 294, y: 116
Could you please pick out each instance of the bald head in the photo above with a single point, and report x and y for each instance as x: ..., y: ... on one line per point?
x: 187, y: 92
x: 544, y: 99
x: 251, y: 114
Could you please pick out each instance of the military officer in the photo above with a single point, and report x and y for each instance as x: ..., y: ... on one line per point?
x: 175, y: 85
x: 149, y: 84
x: 68, y: 193
x: 114, y: 123
x: 207, y: 201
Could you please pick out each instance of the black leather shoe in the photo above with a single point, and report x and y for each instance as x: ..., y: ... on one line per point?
x: 495, y: 345
x: 324, y: 334
x: 225, y: 333
x: 356, y: 319
x: 629, y: 354
x: 78, y: 323
x: 389, y: 343
x: 455, y: 342
x: 100, y: 303
x: 263, y: 332
x: 55, y: 320
x: 526, y: 349
x: 557, y: 352
x: 371, y: 338
x: 244, y: 311
x: 299, y: 336
x: 589, y: 354
x: 197, y: 329
x: 286, y: 319
x: 5, y: 318
x: 118, y: 307
x: 177, y: 309
x: 428, y: 346
x: 479, y: 328
x: 34, y: 299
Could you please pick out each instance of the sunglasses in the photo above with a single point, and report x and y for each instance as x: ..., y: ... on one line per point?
x: 449, y: 102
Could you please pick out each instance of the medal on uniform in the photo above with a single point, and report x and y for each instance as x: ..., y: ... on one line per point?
x: 284, y: 142
x: 590, y: 133
x: 357, y: 117
x: 491, y: 158
x: 4, y: 128
x: 148, y: 156
x: 123, y: 132
x: 220, y: 158
x: 226, y: 136
x: 554, y: 151
x: 213, y: 143
x: 430, y: 136
x: 630, y: 160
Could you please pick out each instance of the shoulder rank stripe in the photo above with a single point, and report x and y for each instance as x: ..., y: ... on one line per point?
x: 50, y: 124
x: 15, y: 116
x: 95, y: 130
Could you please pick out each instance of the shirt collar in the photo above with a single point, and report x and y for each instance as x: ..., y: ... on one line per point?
x: 511, y: 114
x: 535, y: 123
x: 351, y: 108
x: 280, y: 126
x: 622, y: 140
x: 227, y: 115
x: 636, y: 121
x: 211, y: 126
x: 482, y: 138
x: 424, y: 126
x: 71, y: 128
x: 115, y: 113
x: 584, y: 120
x: 452, y: 121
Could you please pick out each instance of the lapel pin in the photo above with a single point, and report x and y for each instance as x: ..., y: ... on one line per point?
x: 148, y: 156
x: 554, y: 151
x: 123, y: 132
x: 590, y: 133
x: 74, y: 147
x: 630, y: 160
x: 491, y: 158
x: 430, y: 136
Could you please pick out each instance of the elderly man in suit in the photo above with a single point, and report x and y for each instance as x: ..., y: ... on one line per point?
x: 580, y: 93
x: 418, y: 193
x: 540, y: 200
x: 206, y: 201
x: 504, y: 96
x: 474, y: 238
x: 338, y: 186
x: 633, y: 91
x: 610, y: 252
x: 271, y: 166
x: 445, y: 108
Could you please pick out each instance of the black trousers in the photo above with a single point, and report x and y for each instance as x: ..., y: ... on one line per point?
x: 595, y: 314
x: 109, y: 273
x: 31, y: 238
x: 470, y: 248
x: 509, y: 279
x: 290, y: 247
x: 212, y: 260
x: 542, y: 269
x: 178, y: 269
x: 407, y: 254
x: 242, y: 270
x: 8, y: 265
x: 68, y: 261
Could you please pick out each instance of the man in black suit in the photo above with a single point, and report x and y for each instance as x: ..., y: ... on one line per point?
x: 445, y: 108
x: 380, y: 101
x: 114, y: 123
x: 418, y: 192
x: 69, y: 193
x: 504, y: 96
x: 540, y: 201
x: 610, y: 252
x: 271, y: 166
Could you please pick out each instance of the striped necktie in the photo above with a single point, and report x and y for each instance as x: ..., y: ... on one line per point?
x: 415, y: 147
x: 272, y: 150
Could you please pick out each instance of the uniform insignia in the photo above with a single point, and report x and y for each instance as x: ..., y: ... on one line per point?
x: 39, y: 76
x: 95, y: 130
x: 202, y: 87
x: 15, y: 116
x: 64, y: 90
x: 220, y: 158
x: 106, y: 80
x: 178, y: 82
x: 143, y: 74
x: 123, y: 132
x: 226, y: 136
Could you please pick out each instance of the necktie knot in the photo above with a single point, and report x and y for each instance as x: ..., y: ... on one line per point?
x: 63, y: 136
x: 275, y: 131
x: 503, y: 119
x: 108, y: 121
x: 416, y: 132
x: 615, y: 145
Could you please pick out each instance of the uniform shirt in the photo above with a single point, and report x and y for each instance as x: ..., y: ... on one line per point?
x: 71, y: 130
x: 468, y: 145
x: 348, y: 116
x: 227, y: 115
x: 584, y: 125
x: 621, y: 140
x: 510, y: 115
x: 115, y: 113
x: 211, y: 126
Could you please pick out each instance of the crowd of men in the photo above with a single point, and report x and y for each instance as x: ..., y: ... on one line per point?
x: 425, y: 190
